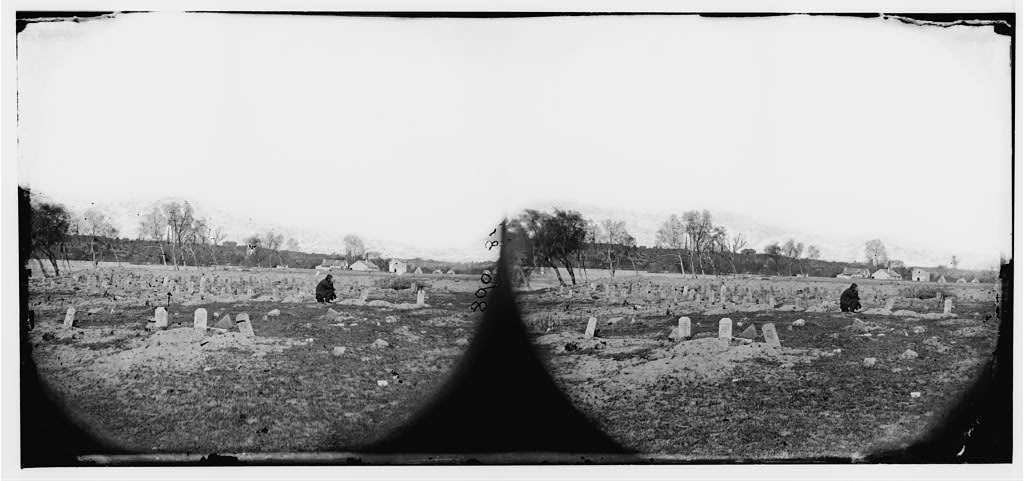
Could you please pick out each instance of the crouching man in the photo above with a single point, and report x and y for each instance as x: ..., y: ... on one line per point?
x: 850, y: 300
x: 325, y: 290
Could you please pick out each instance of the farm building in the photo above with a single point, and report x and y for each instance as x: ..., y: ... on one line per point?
x: 854, y: 273
x: 437, y: 271
x: 450, y: 271
x: 920, y: 275
x: 942, y: 280
x: 886, y: 275
x: 333, y: 264
x: 748, y: 252
x: 961, y: 281
x: 418, y: 270
x: 975, y: 281
x: 396, y: 266
x: 364, y: 266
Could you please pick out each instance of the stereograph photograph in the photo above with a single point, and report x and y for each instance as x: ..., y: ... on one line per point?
x: 429, y: 238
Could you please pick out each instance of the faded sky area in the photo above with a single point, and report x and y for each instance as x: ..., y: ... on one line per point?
x: 423, y: 133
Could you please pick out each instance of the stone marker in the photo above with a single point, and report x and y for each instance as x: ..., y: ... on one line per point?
x: 749, y: 333
x: 799, y: 323
x: 908, y: 354
x: 225, y: 322
x: 725, y: 328
x: 199, y: 321
x: 684, y: 328
x: 244, y: 326
x: 421, y: 296
x: 69, y: 318
x: 889, y: 305
x: 275, y: 312
x: 364, y: 295
x: 869, y: 361
x: 161, y: 317
x: 338, y: 351
x: 948, y: 309
x: 591, y: 327
x: 771, y: 336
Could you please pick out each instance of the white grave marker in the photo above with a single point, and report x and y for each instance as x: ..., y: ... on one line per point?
x: 725, y: 328
x: 948, y: 309
x: 771, y: 336
x: 161, y: 317
x: 199, y: 321
x: 591, y: 327
x: 421, y: 296
x: 244, y: 326
x: 69, y: 318
x: 684, y: 327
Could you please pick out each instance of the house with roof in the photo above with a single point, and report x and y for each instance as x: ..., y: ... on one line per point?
x: 450, y: 271
x: 333, y: 264
x: 918, y: 274
x: 437, y: 271
x: 886, y: 275
x: 418, y: 270
x: 364, y: 266
x: 975, y: 281
x: 854, y: 273
x: 961, y: 281
x: 942, y: 280
x: 396, y: 266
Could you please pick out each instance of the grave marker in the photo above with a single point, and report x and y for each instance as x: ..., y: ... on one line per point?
x: 199, y: 321
x: 161, y: 317
x: 889, y: 305
x: 69, y: 318
x: 684, y: 327
x: 771, y: 336
x: 948, y: 309
x: 365, y: 294
x: 244, y: 326
x: 591, y: 327
x: 725, y: 328
x: 421, y: 296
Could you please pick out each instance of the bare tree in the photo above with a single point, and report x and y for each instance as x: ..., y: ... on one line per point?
x: 96, y: 225
x: 272, y: 241
x: 813, y: 253
x: 216, y: 236
x: 154, y: 227
x: 616, y: 238
x: 49, y: 227
x: 699, y: 228
x: 875, y: 253
x: 354, y: 248
x: 775, y: 254
x: 672, y: 235
x: 954, y: 261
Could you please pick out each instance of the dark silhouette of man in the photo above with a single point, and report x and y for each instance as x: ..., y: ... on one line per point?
x: 850, y: 300
x: 325, y: 290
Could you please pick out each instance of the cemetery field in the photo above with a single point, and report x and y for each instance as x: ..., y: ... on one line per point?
x: 841, y: 384
x: 309, y: 380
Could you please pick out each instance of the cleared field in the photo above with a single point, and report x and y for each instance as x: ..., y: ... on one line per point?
x: 819, y: 395
x: 291, y: 388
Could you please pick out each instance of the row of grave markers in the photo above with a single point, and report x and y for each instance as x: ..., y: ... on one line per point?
x: 685, y: 330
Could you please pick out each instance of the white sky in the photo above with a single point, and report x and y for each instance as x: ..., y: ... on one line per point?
x: 425, y: 132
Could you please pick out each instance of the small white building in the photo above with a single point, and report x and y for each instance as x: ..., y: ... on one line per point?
x: 975, y: 281
x: 918, y: 274
x: 396, y: 266
x: 854, y: 273
x: 886, y: 275
x: 450, y: 271
x: 942, y: 280
x: 418, y: 270
x: 961, y: 281
x: 364, y: 266
x: 333, y: 264
x: 437, y: 271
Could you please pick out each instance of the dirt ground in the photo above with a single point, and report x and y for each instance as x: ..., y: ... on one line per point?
x: 706, y: 398
x: 368, y: 365
x: 179, y: 390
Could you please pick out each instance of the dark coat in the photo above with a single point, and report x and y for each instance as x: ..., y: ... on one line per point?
x: 325, y: 290
x: 850, y: 300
